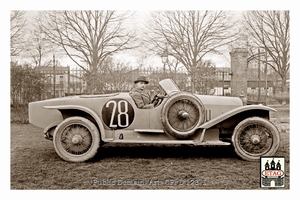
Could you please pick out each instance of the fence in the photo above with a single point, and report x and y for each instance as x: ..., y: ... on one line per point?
x: 63, y: 81
x: 73, y: 81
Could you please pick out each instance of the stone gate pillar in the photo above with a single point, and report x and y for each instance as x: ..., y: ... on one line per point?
x: 239, y: 72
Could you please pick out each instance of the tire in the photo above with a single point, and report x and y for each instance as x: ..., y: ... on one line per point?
x: 76, y: 139
x: 182, y: 114
x: 255, y: 137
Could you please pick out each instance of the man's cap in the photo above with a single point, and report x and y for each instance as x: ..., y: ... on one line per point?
x: 141, y: 79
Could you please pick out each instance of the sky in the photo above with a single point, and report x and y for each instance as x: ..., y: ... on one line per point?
x: 142, y: 10
x: 134, y: 56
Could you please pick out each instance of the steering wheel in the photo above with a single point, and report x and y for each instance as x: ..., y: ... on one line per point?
x: 157, y: 99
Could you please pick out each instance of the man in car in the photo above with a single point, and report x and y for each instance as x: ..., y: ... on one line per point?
x: 141, y: 98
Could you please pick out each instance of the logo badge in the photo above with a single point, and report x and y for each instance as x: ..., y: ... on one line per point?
x: 272, y: 172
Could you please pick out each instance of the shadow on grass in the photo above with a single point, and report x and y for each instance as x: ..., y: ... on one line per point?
x: 163, y: 151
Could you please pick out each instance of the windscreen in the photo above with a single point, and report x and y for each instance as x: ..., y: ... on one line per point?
x: 169, y: 86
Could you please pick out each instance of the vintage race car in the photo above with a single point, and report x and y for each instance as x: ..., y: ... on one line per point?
x: 78, y: 125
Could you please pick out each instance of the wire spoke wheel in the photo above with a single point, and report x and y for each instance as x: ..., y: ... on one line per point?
x: 182, y: 114
x: 76, y: 139
x: 255, y: 137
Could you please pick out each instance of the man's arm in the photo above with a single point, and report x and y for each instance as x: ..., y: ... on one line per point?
x: 139, y: 101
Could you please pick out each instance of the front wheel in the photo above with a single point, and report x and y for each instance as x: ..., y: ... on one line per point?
x: 76, y: 139
x: 255, y: 137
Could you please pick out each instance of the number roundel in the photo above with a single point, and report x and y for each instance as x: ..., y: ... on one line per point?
x: 117, y: 113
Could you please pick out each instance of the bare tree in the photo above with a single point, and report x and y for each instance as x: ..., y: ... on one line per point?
x: 190, y: 35
x: 38, y: 48
x: 89, y: 37
x: 17, y: 24
x: 270, y: 30
x: 119, y: 77
x: 205, y: 77
x: 173, y: 65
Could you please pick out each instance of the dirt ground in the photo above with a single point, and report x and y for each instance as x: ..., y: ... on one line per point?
x: 35, y: 165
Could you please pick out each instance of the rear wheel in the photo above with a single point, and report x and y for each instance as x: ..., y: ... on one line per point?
x: 76, y: 139
x: 255, y: 137
x: 182, y: 114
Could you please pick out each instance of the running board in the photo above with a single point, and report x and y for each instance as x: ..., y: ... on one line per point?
x: 191, y: 142
x: 149, y: 130
x: 214, y: 143
x: 145, y: 136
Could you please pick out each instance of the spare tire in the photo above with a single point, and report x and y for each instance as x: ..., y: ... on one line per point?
x: 182, y: 114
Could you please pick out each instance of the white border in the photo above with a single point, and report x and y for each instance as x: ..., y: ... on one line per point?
x: 151, y: 5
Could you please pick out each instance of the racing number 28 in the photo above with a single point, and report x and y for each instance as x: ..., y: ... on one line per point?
x: 117, y: 107
x: 117, y: 113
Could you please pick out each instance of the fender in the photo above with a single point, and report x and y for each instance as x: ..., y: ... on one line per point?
x: 51, y: 125
x: 85, y: 109
x: 233, y: 112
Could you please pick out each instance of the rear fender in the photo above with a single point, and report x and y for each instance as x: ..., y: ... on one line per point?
x: 49, y: 130
x: 240, y: 112
x: 64, y: 111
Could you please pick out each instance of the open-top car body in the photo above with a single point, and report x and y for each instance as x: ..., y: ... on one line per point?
x: 79, y: 124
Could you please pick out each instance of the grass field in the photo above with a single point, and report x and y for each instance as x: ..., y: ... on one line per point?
x: 35, y: 165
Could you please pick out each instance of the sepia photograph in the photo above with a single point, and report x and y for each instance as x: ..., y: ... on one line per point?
x: 110, y: 99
